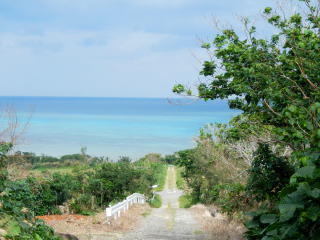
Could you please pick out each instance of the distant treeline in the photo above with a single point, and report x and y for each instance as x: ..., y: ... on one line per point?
x: 32, y: 158
x: 69, y: 159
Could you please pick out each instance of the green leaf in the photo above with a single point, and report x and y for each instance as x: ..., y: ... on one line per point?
x: 305, y: 172
x: 179, y: 88
x: 267, y: 10
x: 313, y: 213
x: 315, y: 193
x: 252, y: 214
x: 287, y: 211
x: 38, y: 237
x: 268, y: 238
x: 206, y: 45
x: 292, y: 108
x: 268, y: 218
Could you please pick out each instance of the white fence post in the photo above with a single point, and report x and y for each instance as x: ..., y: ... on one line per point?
x: 115, y: 210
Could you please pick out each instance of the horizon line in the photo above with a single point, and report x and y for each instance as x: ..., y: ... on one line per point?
x: 21, y: 96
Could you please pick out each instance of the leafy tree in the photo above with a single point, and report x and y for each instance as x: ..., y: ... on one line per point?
x: 124, y: 159
x: 170, y: 159
x: 73, y: 157
x: 277, y: 82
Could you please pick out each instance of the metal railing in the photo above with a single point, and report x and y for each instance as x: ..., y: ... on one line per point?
x: 115, y: 210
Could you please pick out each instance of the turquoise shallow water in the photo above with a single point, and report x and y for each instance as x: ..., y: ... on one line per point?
x: 113, y: 126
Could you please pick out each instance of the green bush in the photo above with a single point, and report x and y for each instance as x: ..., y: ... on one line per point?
x: 170, y: 159
x: 16, y: 207
x: 156, y: 202
x: 297, y: 215
x: 73, y: 157
x: 4, y: 149
x: 231, y: 198
x: 268, y: 174
x: 186, y: 201
x: 86, y: 190
x: 154, y: 170
x: 180, y: 182
x: 37, y: 231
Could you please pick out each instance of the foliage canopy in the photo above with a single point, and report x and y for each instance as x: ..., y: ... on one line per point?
x: 277, y: 83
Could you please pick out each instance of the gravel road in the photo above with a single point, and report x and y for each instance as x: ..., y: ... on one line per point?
x: 169, y: 221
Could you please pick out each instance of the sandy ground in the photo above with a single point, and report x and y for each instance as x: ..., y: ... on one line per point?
x: 97, y: 227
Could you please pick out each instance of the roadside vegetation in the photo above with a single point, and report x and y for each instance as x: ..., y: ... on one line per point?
x: 74, y: 183
x: 263, y: 167
x: 159, y: 171
x: 186, y: 201
x: 180, y: 182
x: 156, y: 201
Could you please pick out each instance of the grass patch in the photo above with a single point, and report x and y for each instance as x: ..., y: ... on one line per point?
x: 156, y: 202
x: 181, y: 184
x: 186, y: 201
x: 161, y: 175
x: 62, y: 170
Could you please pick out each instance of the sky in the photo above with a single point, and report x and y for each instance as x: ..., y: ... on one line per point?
x: 110, y: 48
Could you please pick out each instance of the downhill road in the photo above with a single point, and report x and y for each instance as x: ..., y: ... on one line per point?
x: 169, y: 221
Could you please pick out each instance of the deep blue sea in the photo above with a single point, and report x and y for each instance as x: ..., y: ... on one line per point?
x: 113, y: 127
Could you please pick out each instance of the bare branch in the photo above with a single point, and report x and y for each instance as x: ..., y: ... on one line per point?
x: 12, y: 126
x: 270, y: 108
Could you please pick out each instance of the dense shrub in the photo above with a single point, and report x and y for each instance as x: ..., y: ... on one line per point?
x: 231, y: 198
x: 186, y: 201
x: 73, y: 157
x: 156, y: 201
x: 17, y: 205
x: 268, y: 174
x: 170, y: 159
x: 4, y: 149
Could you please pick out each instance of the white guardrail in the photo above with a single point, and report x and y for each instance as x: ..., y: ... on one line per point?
x: 115, y: 210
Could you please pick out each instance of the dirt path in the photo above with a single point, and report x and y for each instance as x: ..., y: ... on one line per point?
x: 169, y: 221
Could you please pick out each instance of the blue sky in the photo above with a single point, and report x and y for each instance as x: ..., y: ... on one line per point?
x: 109, y: 48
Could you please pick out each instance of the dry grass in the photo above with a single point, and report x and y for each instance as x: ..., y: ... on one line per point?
x: 19, y: 170
x: 88, y: 226
x: 218, y: 227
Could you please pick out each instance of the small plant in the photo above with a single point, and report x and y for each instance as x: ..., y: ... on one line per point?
x: 156, y: 202
x: 186, y: 201
x: 231, y: 198
x: 180, y: 182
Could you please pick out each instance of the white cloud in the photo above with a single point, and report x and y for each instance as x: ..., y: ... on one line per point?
x: 122, y: 64
x: 112, y: 42
x: 106, y: 47
x: 84, y: 3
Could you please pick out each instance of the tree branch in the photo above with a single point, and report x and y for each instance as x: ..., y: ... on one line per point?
x: 270, y: 108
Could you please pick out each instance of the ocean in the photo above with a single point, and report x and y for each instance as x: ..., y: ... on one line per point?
x: 112, y: 127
